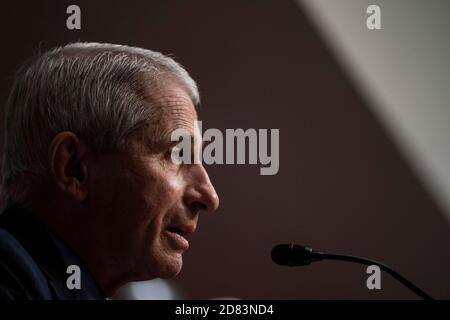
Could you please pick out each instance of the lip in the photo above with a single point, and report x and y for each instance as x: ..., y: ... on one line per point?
x: 183, y: 229
x: 178, y: 241
x: 187, y: 229
x: 177, y: 235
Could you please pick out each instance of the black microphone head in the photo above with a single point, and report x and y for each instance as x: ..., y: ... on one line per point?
x: 292, y: 255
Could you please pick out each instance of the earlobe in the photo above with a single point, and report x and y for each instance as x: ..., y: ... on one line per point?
x: 67, y: 165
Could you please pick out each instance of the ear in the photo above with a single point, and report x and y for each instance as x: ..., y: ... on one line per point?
x: 68, y: 165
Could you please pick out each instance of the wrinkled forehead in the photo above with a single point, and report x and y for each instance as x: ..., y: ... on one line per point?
x: 170, y: 108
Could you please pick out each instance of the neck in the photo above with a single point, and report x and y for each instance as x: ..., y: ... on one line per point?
x: 87, y: 238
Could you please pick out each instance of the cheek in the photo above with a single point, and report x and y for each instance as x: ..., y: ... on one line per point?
x: 164, y: 201
x: 125, y: 200
x: 154, y: 197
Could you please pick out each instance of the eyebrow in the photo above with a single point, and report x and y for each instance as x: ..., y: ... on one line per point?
x: 193, y: 146
x: 157, y: 141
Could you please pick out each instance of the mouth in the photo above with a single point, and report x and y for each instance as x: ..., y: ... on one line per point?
x: 183, y: 230
x: 176, y: 230
x: 177, y: 236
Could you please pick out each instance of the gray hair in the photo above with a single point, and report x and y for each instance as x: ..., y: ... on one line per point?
x: 94, y: 90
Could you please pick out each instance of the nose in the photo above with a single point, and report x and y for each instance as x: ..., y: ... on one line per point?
x: 200, y: 194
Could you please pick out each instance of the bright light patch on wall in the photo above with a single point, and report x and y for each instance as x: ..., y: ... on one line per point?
x: 403, y: 70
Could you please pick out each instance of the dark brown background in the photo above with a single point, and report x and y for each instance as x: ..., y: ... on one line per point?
x: 342, y: 185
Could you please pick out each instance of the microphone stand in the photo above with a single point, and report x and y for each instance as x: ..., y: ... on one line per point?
x: 317, y: 256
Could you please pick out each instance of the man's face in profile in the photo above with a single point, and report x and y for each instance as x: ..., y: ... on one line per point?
x: 147, y: 203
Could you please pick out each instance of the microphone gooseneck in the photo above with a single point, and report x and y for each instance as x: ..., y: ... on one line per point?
x: 294, y: 255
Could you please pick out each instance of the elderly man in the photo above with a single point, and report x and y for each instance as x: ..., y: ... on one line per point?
x: 90, y: 185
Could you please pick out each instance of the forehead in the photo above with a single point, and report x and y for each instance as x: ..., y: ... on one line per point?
x: 170, y: 108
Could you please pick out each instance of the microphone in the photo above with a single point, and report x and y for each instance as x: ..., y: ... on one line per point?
x: 294, y: 255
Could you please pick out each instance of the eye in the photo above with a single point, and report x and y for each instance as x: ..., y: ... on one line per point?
x: 178, y: 151
x: 175, y: 155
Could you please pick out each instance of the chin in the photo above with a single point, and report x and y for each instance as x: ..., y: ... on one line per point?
x: 171, y: 266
